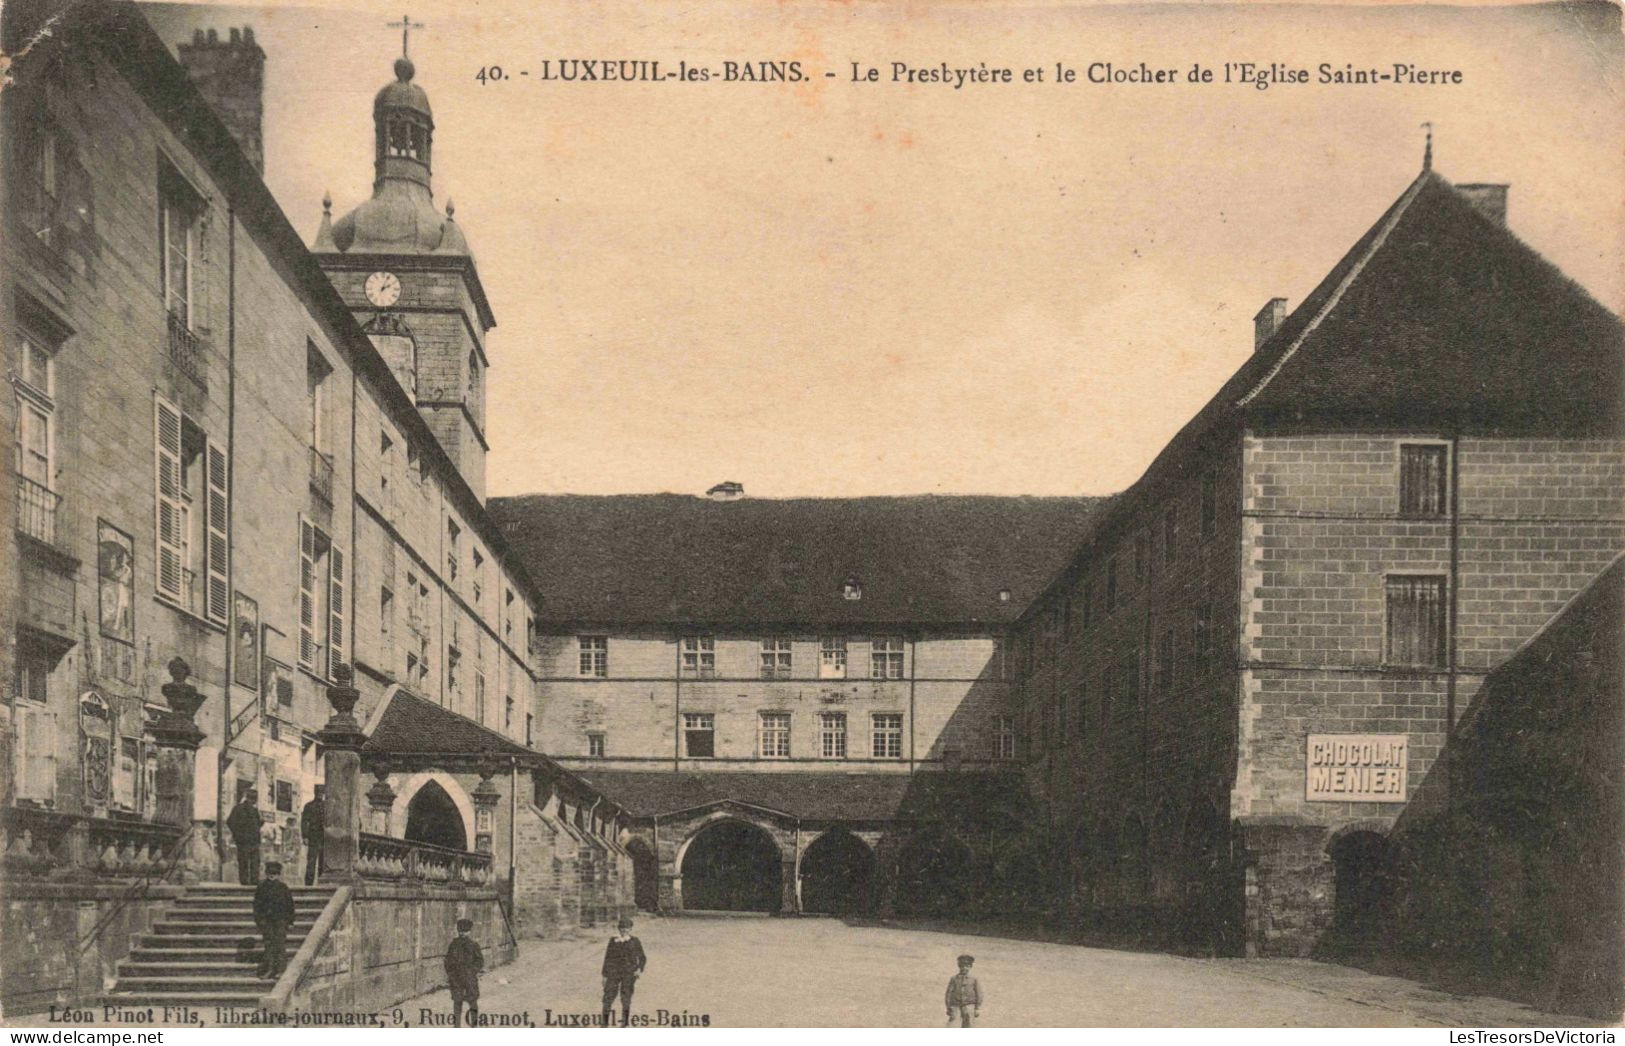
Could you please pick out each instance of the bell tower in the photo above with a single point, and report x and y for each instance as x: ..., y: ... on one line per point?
x: 405, y: 270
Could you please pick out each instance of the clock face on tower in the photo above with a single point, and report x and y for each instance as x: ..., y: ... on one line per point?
x: 383, y: 289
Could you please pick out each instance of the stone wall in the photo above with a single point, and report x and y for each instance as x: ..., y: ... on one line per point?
x: 63, y: 941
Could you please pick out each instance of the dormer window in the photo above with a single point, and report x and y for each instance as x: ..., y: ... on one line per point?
x: 852, y: 589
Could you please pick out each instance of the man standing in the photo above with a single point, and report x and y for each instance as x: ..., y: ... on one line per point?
x: 273, y: 911
x: 964, y: 995
x: 244, y: 825
x: 623, y: 961
x: 312, y: 826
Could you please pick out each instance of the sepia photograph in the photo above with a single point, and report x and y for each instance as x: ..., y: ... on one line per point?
x: 812, y: 514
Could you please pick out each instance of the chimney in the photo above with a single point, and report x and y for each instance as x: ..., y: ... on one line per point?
x: 727, y: 490
x: 1488, y: 200
x: 1268, y: 321
x: 230, y: 74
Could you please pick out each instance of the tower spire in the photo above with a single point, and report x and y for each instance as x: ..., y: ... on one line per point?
x: 1427, y: 150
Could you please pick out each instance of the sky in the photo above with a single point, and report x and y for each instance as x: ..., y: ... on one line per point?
x: 837, y: 288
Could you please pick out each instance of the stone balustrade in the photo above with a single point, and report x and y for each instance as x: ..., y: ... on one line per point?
x: 47, y: 844
x: 388, y: 858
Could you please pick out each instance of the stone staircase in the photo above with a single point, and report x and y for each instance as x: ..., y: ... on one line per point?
x: 195, y: 954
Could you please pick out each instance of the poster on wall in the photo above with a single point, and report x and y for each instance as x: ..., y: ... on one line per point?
x: 245, y: 643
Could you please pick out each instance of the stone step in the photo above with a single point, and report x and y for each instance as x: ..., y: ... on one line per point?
x: 226, y: 969
x: 221, y: 956
x: 196, y: 942
x: 251, y: 988
x: 225, y: 927
x: 241, y: 1001
x: 229, y: 889
x: 302, y: 911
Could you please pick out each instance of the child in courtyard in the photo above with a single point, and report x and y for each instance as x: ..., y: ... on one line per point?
x: 964, y: 994
x: 464, y: 963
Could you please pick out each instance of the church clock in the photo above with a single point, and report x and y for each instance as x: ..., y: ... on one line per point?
x: 383, y: 289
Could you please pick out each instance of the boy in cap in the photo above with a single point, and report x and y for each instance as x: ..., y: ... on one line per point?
x: 623, y: 961
x: 964, y: 994
x: 464, y: 964
x: 273, y: 911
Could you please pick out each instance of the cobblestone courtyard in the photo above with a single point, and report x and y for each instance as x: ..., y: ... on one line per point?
x: 744, y: 971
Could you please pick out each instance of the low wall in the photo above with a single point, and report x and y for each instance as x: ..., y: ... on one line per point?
x: 60, y: 942
x: 380, y: 943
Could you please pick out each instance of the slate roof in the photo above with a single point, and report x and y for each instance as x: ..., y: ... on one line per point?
x: 1437, y: 317
x: 808, y: 796
x: 410, y: 724
x: 670, y: 558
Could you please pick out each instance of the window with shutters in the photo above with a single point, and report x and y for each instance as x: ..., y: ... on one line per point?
x: 1414, y: 636
x: 1423, y: 479
x: 35, y: 741
x: 192, y: 474
x: 322, y: 607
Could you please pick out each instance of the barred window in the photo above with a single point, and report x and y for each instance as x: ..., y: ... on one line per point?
x: 887, y: 734
x: 1423, y: 479
x: 595, y: 656
x: 1415, y: 620
x: 775, y: 735
x: 886, y: 658
x: 832, y: 735
x: 776, y: 658
x: 699, y: 656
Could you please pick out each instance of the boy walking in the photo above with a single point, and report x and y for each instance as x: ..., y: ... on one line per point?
x: 273, y: 911
x: 964, y: 994
x: 464, y: 964
x: 623, y: 961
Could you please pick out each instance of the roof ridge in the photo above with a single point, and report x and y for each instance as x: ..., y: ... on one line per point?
x: 1384, y: 227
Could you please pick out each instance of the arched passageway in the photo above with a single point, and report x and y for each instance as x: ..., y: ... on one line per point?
x: 837, y: 871
x: 732, y: 866
x: 432, y: 817
x: 645, y: 875
x: 1360, y: 870
x: 933, y: 875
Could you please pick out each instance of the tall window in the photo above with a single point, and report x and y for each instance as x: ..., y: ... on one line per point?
x: 479, y: 695
x: 1415, y: 620
x: 832, y: 658
x: 179, y: 215
x: 454, y: 534
x: 595, y: 745
x: 776, y: 658
x: 886, y: 735
x: 886, y: 658
x: 36, y: 439
x: 507, y: 714
x: 774, y: 731
x: 477, y: 582
x: 1004, y: 737
x: 699, y: 735
x: 699, y: 656
x: 191, y: 510
x: 454, y: 684
x: 594, y: 656
x: 321, y: 601
x: 530, y: 730
x: 1423, y: 479
x: 832, y: 735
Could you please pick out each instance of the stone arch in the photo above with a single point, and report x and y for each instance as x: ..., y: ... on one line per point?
x: 730, y: 864
x: 407, y: 791
x: 645, y: 875
x: 837, y: 874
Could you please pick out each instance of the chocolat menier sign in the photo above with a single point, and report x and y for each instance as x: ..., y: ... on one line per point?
x: 1367, y: 768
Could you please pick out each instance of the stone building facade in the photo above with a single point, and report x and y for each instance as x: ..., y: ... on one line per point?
x: 1232, y: 692
x: 231, y: 462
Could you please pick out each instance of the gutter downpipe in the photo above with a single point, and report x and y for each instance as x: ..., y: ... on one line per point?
x: 231, y: 521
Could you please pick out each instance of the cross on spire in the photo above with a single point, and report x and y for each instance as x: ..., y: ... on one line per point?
x: 405, y: 25
x: 1427, y: 150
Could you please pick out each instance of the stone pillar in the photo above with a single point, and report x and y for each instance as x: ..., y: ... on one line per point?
x: 380, y: 801
x: 789, y: 896
x: 342, y: 739
x: 176, y: 736
x: 485, y: 798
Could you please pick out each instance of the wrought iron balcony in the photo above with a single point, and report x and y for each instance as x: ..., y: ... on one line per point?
x: 36, y: 510
x: 186, y: 349
x: 321, y: 475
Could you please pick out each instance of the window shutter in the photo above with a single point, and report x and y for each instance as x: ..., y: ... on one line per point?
x: 335, y: 603
x: 168, y: 562
x: 217, y: 596
x: 37, y: 742
x: 307, y: 595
